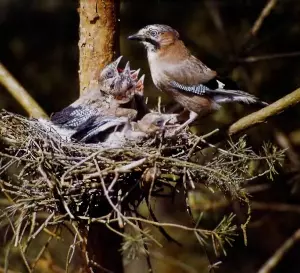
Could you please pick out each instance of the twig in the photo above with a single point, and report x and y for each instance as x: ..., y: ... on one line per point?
x: 41, y: 252
x: 170, y: 225
x: 257, y: 25
x: 24, y: 259
x: 274, y: 260
x: 20, y: 94
x: 131, y: 165
x: 114, y: 207
x: 19, y: 225
x: 42, y: 226
x: 264, y: 13
x: 159, y: 104
x: 62, y: 180
x: 70, y: 253
x: 267, y: 112
x: 284, y: 143
x: 113, y: 182
x: 252, y: 59
x: 280, y: 207
x: 199, y: 139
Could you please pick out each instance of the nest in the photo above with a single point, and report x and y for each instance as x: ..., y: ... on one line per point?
x: 88, y: 182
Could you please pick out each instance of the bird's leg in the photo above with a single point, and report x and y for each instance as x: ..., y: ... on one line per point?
x: 192, y: 117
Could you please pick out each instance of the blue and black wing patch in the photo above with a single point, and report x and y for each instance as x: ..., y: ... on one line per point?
x: 219, y: 95
x: 72, y: 117
x: 195, y: 89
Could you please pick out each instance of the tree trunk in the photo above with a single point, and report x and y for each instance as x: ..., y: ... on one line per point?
x: 98, y: 46
x: 99, y: 38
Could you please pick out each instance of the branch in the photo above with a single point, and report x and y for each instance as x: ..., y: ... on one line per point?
x: 98, y: 46
x: 265, y: 113
x: 20, y: 94
x: 252, y: 59
x: 98, y: 43
x: 258, y: 23
x: 264, y: 13
x: 278, y: 255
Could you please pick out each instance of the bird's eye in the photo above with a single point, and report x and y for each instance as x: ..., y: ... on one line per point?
x: 109, y: 74
x: 153, y: 33
x: 159, y: 122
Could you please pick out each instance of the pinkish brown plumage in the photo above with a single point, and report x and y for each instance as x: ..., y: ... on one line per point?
x: 185, y: 78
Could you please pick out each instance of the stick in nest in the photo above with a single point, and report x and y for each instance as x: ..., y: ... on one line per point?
x: 89, y: 182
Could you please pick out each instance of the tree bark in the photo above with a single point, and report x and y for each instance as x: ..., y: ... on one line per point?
x: 99, y: 39
x: 98, y: 46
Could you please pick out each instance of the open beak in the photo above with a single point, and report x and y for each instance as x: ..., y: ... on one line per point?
x: 135, y: 74
x: 139, y: 88
x: 117, y: 61
x: 126, y: 70
x: 136, y: 37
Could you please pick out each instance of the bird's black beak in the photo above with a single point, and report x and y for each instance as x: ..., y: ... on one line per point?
x: 142, y: 38
x: 136, y: 37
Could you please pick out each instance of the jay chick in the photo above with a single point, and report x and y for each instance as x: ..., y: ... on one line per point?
x: 135, y: 132
x: 120, y: 83
x: 177, y: 72
x: 89, y: 115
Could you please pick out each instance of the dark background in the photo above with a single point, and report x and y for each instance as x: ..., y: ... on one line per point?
x: 38, y: 45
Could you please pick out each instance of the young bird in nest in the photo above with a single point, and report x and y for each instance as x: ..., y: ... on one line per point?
x: 185, y: 78
x: 122, y: 84
x: 114, y: 97
x: 135, y: 132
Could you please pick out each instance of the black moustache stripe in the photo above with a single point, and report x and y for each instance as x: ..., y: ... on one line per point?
x: 153, y: 42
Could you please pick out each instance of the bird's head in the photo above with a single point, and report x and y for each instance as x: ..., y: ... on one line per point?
x: 156, y: 122
x: 121, y: 83
x: 110, y: 72
x: 155, y: 36
x: 127, y: 84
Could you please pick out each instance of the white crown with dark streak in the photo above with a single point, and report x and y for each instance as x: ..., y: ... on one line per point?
x: 151, y: 36
x: 156, y: 29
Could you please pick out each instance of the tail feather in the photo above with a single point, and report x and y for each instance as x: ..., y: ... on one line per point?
x: 219, y: 95
x: 225, y: 95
